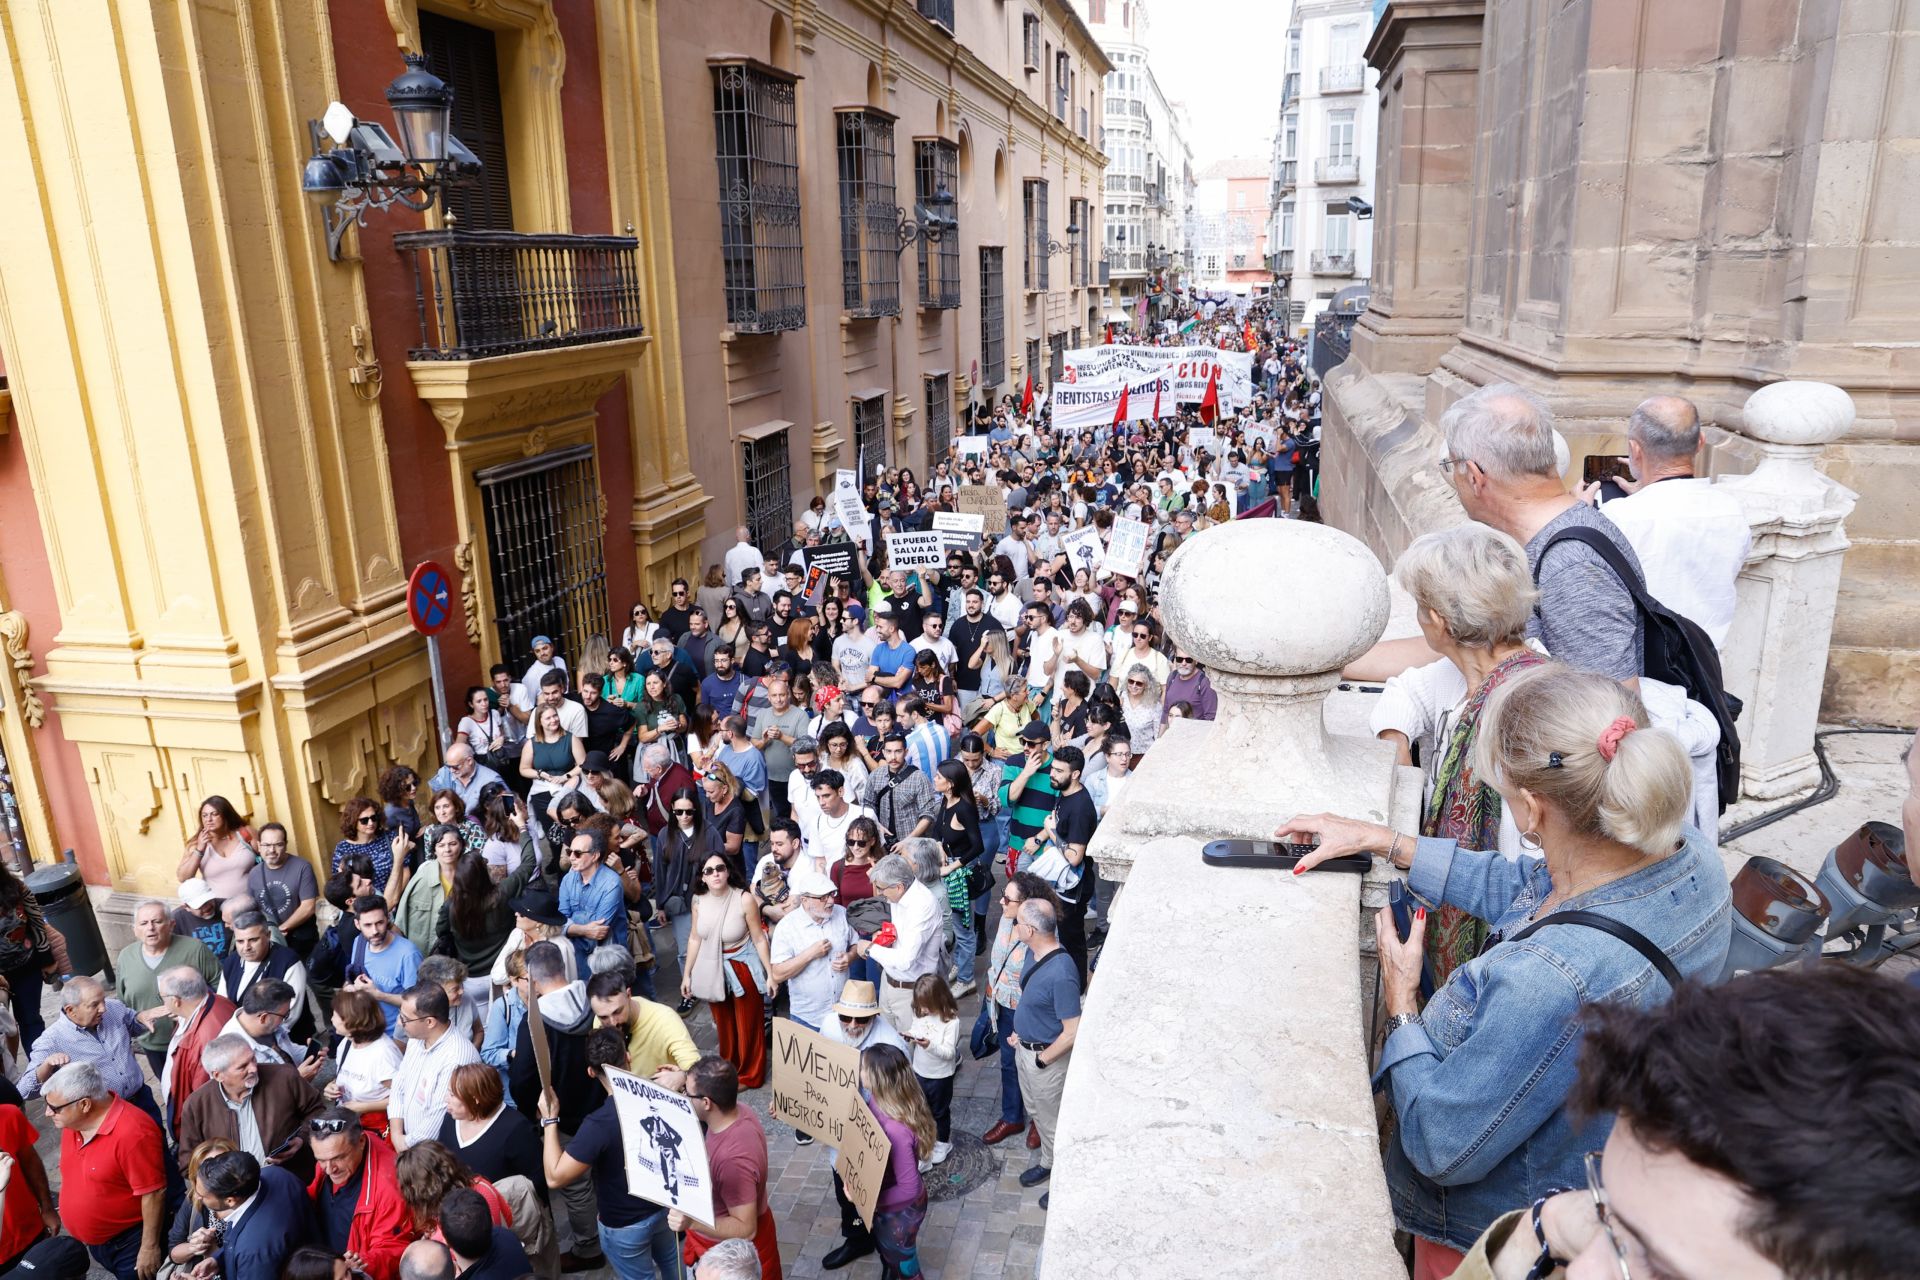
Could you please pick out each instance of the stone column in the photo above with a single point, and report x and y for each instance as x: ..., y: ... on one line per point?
x: 1219, y: 1073
x: 1783, y: 615
x: 1428, y: 55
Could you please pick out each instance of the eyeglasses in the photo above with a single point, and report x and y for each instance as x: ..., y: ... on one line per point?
x: 1447, y: 465
x: 1008, y: 899
x: 55, y: 1108
x: 714, y: 871
x: 1603, y: 1210
x: 679, y: 591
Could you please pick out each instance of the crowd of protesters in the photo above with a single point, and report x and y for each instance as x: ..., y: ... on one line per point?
x: 870, y: 802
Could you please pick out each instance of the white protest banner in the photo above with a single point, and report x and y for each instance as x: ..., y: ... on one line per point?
x: 973, y: 446
x: 986, y: 501
x: 916, y: 551
x: 1204, y: 438
x: 1083, y: 405
x: 1127, y: 547
x: 961, y: 528
x: 815, y: 1081
x: 1082, y: 548
x: 847, y: 506
x: 1187, y: 370
x: 665, y: 1148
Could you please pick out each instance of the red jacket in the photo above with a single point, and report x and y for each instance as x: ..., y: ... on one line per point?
x: 188, y: 1074
x: 382, y: 1224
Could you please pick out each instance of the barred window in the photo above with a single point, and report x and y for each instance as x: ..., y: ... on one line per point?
x: 869, y: 235
x: 939, y: 417
x: 1056, y: 357
x: 935, y: 162
x: 544, y: 556
x: 756, y: 147
x: 869, y: 435
x: 1036, y: 238
x: 1077, y: 233
x: 1033, y: 359
x: 1030, y: 40
x: 939, y: 12
x: 767, y: 488
x: 993, y: 316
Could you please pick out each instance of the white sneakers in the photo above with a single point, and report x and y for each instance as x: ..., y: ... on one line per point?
x: 941, y: 1150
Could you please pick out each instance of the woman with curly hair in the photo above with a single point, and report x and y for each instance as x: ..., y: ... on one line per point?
x: 398, y: 787
x: 426, y: 1172
x: 363, y: 830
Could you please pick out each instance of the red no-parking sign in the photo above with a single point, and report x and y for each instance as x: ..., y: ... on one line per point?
x: 430, y: 599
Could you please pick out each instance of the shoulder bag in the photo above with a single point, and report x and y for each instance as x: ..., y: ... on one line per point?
x: 1607, y: 924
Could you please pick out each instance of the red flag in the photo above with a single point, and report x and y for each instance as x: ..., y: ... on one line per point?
x: 1120, y: 414
x: 1156, y: 396
x: 1026, y: 399
x: 1249, y: 335
x: 1109, y: 341
x: 1210, y: 402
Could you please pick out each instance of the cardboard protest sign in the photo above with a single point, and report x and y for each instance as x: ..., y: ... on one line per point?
x: 965, y: 529
x: 986, y: 501
x: 665, y: 1148
x: 1082, y: 548
x: 864, y: 1152
x: 1127, y: 547
x: 813, y: 1080
x: 916, y: 550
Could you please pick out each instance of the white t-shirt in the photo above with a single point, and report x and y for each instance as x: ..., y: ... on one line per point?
x: 852, y: 656
x: 367, y: 1070
x: 827, y: 837
x: 1692, y: 541
x: 1041, y: 646
x: 942, y: 649
x: 1089, y: 646
x: 812, y: 991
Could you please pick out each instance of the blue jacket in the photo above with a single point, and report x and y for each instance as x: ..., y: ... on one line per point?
x: 279, y: 1220
x: 1480, y: 1082
x: 600, y: 900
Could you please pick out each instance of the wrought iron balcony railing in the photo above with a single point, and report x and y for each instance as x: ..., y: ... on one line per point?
x: 1332, y: 264
x: 1336, y: 172
x: 1348, y: 77
x: 490, y: 293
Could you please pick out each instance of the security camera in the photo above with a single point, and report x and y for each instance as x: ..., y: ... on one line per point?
x: 1359, y: 208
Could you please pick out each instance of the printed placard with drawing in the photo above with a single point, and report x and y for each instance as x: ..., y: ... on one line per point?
x: 665, y: 1148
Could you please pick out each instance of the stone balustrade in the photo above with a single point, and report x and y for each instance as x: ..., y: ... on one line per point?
x: 1218, y: 1120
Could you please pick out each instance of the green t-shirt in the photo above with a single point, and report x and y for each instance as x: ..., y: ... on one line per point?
x: 1027, y: 814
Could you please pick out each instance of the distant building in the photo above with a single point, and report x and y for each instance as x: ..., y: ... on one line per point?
x: 1228, y: 229
x: 1323, y: 156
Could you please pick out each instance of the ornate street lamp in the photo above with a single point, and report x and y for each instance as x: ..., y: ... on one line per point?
x: 1056, y: 247
x: 932, y: 219
x: 365, y: 169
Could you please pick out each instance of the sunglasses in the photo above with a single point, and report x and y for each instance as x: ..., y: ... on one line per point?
x: 1136, y: 684
x: 681, y: 809
x: 323, y: 1128
x: 856, y: 1022
x: 366, y: 818
x: 858, y: 844
x: 714, y: 871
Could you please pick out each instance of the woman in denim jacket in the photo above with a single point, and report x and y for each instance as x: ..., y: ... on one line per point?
x: 1479, y: 1079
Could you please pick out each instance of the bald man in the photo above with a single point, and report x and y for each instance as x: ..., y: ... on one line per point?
x: 1691, y: 537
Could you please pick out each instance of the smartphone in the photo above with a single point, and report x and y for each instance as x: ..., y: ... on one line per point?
x: 1267, y: 853
x: 1606, y: 466
x: 1400, y: 902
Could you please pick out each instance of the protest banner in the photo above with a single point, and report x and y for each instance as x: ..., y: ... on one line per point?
x: 986, y: 501
x: 832, y: 558
x: 813, y: 1081
x: 1127, y: 547
x: 912, y: 551
x: 973, y: 446
x: 848, y: 507
x: 1187, y: 370
x: 1204, y: 438
x: 665, y: 1148
x: 865, y: 1150
x: 964, y: 529
x: 1082, y: 549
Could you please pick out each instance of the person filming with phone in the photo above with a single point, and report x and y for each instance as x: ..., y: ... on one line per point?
x: 1611, y: 901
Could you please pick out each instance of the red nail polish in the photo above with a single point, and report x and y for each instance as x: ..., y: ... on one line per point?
x: 1298, y: 870
x: 1420, y: 914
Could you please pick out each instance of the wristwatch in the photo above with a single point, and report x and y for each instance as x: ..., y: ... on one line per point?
x: 1400, y: 1020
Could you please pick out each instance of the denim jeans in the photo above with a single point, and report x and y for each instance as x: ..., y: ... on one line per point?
x: 965, y: 945
x: 639, y: 1251
x: 120, y: 1254
x: 1012, y: 1109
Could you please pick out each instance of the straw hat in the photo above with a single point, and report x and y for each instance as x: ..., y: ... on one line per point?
x: 858, y: 1000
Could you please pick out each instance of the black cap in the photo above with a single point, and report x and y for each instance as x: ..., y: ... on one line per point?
x: 597, y: 762
x: 539, y: 903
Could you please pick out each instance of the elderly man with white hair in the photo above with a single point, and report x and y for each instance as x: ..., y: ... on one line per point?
x: 113, y: 1183
x: 918, y: 923
x: 199, y: 1014
x: 96, y: 1029
x: 729, y: 1260
x: 261, y: 1108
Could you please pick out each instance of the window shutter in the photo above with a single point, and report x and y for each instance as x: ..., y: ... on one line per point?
x: 465, y: 57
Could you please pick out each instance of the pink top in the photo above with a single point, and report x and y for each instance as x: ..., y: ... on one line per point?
x: 902, y: 1185
x: 226, y: 873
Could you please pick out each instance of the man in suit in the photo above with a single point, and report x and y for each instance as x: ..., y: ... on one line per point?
x: 261, y: 1108
x: 266, y: 1212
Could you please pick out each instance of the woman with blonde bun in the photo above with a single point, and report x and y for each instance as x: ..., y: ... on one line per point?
x: 1614, y: 900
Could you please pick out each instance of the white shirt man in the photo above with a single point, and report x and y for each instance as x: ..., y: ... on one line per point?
x: 932, y: 638
x: 829, y: 816
x: 1044, y: 651
x: 819, y: 940
x: 434, y: 1051
x: 1692, y: 540
x: 742, y: 556
x: 917, y: 917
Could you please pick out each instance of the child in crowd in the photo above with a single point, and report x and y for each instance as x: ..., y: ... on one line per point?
x: 935, y: 1037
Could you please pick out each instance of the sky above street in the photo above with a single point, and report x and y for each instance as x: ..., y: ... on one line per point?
x: 1223, y: 58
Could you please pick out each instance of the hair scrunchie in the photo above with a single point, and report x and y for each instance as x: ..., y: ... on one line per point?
x: 1609, y: 743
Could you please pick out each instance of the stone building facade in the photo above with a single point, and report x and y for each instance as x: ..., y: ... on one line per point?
x: 1605, y: 199
x: 814, y: 339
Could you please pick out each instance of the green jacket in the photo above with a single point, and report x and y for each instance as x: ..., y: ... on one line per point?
x: 137, y: 985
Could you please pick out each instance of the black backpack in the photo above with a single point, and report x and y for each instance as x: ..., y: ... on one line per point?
x: 1677, y: 652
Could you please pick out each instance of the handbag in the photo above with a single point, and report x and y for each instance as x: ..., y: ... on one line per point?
x: 981, y: 1042
x: 1052, y: 866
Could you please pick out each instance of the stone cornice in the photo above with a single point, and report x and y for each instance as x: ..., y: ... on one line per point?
x: 1390, y: 34
x: 479, y: 398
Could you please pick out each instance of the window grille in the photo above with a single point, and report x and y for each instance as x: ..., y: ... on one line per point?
x: 1030, y: 40
x: 544, y: 555
x: 1033, y: 360
x: 767, y: 488
x: 1035, y: 198
x: 935, y: 164
x: 869, y: 435
x: 756, y: 147
x: 938, y: 12
x: 993, y: 316
x: 1056, y: 357
x: 869, y: 235
x: 1077, y: 242
x: 939, y: 418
